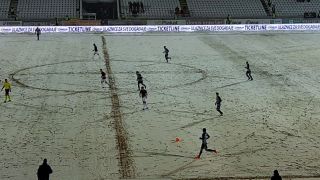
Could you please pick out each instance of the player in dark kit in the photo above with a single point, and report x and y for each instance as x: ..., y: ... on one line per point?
x: 204, y: 137
x: 38, y: 32
x: 166, y: 53
x: 248, y: 73
x: 103, y: 78
x: 140, y: 80
x: 218, y: 103
x: 95, y: 49
x: 144, y: 95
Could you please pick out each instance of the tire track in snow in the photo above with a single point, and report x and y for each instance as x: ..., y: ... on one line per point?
x: 127, y: 169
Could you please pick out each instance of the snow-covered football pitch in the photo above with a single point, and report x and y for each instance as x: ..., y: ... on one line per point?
x: 59, y: 110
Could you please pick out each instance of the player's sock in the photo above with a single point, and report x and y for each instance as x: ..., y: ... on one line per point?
x: 145, y: 105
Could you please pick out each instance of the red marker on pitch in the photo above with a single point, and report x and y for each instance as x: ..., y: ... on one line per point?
x: 178, y: 139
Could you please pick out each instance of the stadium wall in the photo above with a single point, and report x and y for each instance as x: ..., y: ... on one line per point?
x: 211, y: 21
x: 78, y: 22
x: 10, y: 23
x: 163, y: 28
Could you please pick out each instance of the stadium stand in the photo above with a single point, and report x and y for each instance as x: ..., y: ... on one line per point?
x: 158, y: 9
x: 4, y: 8
x: 221, y: 8
x: 293, y: 8
x: 47, y: 9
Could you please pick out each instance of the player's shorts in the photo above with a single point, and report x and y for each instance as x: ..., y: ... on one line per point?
x: 7, y: 92
x: 103, y: 77
x: 140, y: 82
x: 204, y: 146
x: 144, y: 99
x: 218, y: 106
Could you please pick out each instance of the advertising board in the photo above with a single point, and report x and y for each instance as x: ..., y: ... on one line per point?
x: 163, y: 28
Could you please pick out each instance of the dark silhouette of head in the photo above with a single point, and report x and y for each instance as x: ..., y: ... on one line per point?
x: 142, y: 87
x: 137, y: 72
x: 45, y: 161
x: 217, y: 93
x: 6, y: 80
x: 164, y: 46
x: 276, y: 173
x: 204, y: 130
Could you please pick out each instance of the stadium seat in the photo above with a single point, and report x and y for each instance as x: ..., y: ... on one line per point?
x: 292, y: 8
x: 48, y: 9
x: 223, y: 8
x: 4, y: 8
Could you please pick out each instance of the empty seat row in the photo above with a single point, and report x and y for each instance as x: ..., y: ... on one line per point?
x: 223, y: 8
x: 293, y: 8
x: 48, y: 9
x: 4, y: 8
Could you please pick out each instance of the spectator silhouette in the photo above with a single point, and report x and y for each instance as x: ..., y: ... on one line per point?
x: 130, y: 6
x: 138, y: 7
x: 134, y: 4
x: 141, y: 6
x: 12, y: 12
x: 135, y: 8
x: 44, y: 171
x: 273, y: 8
x: 228, y: 19
x: 177, y: 10
x: 182, y: 12
x: 276, y: 175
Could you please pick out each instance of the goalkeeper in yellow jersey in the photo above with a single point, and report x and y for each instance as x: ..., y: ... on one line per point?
x: 7, y: 88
